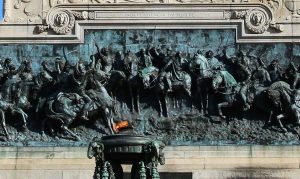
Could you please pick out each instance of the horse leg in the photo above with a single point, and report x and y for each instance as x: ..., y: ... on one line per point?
x: 270, y: 117
x: 66, y: 129
x: 51, y: 130
x: 160, y: 110
x: 109, y: 119
x: 174, y: 96
x: 205, y: 101
x: 114, y: 98
x: 174, y: 102
x: 138, y: 102
x: 165, y: 105
x: 223, y: 105
x: 192, y: 103
x: 177, y: 103
x: 43, y: 126
x: 131, y: 99
x: 181, y: 103
x: 189, y: 97
x: 3, y: 124
x: 24, y: 117
x: 279, y: 117
x: 200, y: 100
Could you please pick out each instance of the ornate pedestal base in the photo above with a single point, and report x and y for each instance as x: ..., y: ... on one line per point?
x: 111, y: 151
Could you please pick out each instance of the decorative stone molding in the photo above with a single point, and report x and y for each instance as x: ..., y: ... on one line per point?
x: 64, y: 21
x: 6, y: 10
x: 61, y: 21
x: 256, y: 20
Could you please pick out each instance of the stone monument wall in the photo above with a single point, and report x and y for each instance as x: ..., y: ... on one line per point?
x: 188, y: 162
x: 42, y: 30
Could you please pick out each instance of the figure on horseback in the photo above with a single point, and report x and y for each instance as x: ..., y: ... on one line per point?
x: 281, y: 102
x: 201, y: 68
x: 79, y: 79
x: 145, y: 74
x: 121, y: 71
x: 64, y: 108
x: 173, y: 79
x: 291, y: 76
x: 15, y: 93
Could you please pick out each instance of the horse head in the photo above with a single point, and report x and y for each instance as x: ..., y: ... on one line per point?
x: 145, y: 80
x: 147, y: 77
x: 217, y: 80
x: 98, y: 86
x: 296, y: 105
x: 46, y: 77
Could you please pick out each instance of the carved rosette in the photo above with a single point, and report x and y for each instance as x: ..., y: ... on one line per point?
x: 61, y: 21
x: 92, y: 15
x: 256, y: 20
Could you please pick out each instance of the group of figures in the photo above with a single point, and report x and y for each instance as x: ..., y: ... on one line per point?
x: 59, y: 95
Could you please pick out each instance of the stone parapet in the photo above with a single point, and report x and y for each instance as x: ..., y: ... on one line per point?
x: 202, y: 161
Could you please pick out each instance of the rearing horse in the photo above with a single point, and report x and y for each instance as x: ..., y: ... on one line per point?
x: 14, y: 99
x: 234, y: 94
x: 65, y: 108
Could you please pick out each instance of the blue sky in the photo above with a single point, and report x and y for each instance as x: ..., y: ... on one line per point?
x: 1, y: 9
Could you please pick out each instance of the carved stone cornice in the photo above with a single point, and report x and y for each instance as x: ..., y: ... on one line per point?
x: 65, y: 23
x: 257, y: 17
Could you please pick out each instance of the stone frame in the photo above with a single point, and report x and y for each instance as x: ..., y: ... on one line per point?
x: 254, y: 21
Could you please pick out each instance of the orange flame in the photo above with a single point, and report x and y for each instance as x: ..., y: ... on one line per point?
x: 120, y: 125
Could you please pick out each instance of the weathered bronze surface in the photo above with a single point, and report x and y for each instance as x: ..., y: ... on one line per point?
x: 161, y: 83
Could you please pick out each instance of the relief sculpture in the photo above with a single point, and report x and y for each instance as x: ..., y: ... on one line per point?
x: 152, y: 85
x: 182, y: 85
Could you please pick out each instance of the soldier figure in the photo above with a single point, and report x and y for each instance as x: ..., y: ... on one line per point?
x: 25, y: 71
x: 144, y: 60
x: 243, y: 75
x: 80, y: 79
x: 174, y: 66
x: 130, y: 67
x: 213, y: 62
x: 145, y: 68
x: 118, y: 62
x: 103, y: 59
x: 275, y: 70
x: 9, y: 69
x: 291, y: 76
x: 160, y: 59
x: 200, y: 65
x: 45, y: 67
x: 241, y: 56
x: 261, y: 75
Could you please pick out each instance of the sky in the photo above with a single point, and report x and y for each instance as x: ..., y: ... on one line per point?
x: 1, y: 9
